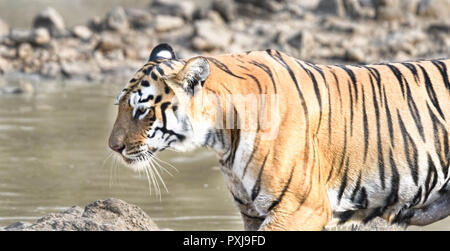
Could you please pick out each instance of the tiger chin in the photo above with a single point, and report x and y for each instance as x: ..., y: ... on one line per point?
x: 301, y: 146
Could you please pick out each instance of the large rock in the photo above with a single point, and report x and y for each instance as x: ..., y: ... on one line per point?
x: 184, y: 9
x: 226, y: 8
x: 434, y: 8
x: 117, y: 20
x: 210, y: 36
x: 101, y: 215
x: 52, y: 21
x: 139, y: 18
x: 331, y: 7
x: 164, y: 23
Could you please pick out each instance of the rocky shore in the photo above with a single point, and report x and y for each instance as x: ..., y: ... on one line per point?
x: 320, y: 31
x: 101, y: 215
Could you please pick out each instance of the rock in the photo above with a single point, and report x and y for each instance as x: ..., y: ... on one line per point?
x: 303, y: 42
x: 226, y: 8
x: 82, y: 32
x: 109, y: 42
x: 41, y: 36
x: 50, y: 70
x: 117, y: 20
x: 52, y: 21
x: 331, y: 7
x: 164, y: 23
x: 210, y: 36
x: 101, y: 215
x: 25, y: 51
x: 19, y: 35
x: 267, y: 5
x: 184, y: 9
x: 434, y: 9
x: 79, y: 69
x: 4, y: 28
x: 138, y: 18
x: 355, y: 54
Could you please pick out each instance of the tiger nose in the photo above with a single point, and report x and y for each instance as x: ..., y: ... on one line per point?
x: 116, y: 144
x: 117, y: 148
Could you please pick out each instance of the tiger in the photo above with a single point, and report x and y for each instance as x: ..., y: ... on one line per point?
x: 351, y: 142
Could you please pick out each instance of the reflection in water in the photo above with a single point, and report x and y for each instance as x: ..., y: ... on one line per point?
x: 53, y: 154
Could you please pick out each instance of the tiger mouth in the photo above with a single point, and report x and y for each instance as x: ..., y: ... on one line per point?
x: 142, y: 156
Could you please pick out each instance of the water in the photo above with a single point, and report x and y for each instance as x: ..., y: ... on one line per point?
x: 52, y: 156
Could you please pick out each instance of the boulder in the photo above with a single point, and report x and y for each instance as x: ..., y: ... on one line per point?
x: 41, y: 36
x: 117, y: 20
x: 101, y: 215
x: 79, y: 69
x: 331, y: 7
x: 439, y: 9
x: 210, y: 36
x: 226, y: 8
x: 82, y: 32
x: 51, y: 20
x: 164, y: 23
x: 25, y: 51
x: 138, y: 18
x: 19, y: 35
x: 184, y: 9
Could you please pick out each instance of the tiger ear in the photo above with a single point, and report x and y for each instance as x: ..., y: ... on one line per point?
x: 194, y: 74
x: 162, y: 51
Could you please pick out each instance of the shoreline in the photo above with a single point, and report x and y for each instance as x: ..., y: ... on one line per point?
x: 336, y: 32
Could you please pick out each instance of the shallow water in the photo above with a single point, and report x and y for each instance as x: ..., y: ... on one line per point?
x: 53, y: 154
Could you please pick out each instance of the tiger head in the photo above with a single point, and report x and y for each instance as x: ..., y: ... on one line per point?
x: 152, y: 112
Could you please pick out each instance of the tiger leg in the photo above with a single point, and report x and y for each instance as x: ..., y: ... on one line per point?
x: 310, y: 216
x: 437, y: 210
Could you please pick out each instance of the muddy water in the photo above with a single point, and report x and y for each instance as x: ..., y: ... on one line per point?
x: 53, y: 154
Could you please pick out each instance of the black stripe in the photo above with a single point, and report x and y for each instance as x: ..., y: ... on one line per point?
x: 266, y: 69
x: 431, y: 179
x: 443, y: 70
x: 223, y: 67
x: 378, y: 211
x: 351, y: 108
x: 365, y: 126
x: 395, y: 182
x: 168, y: 64
x: 257, y: 186
x: 261, y: 218
x: 153, y: 76
x: 351, y: 74
x: 442, y: 148
x: 283, y: 192
x: 161, y: 71
x: 414, y: 111
x: 412, y: 69
x: 399, y: 76
x: 345, y: 216
x: 343, y: 182
x: 389, y: 119
x: 431, y: 92
x: 379, y: 143
x: 235, y: 198
x: 407, y: 143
